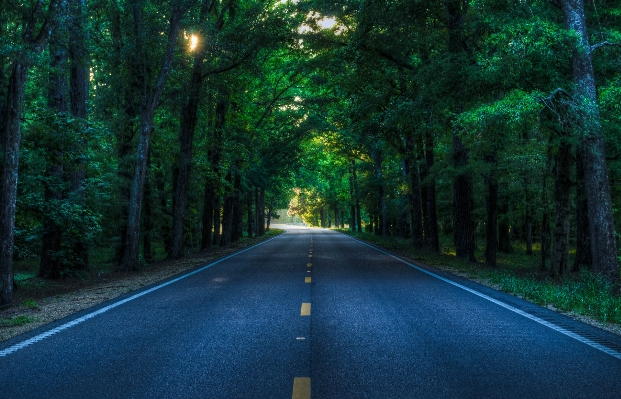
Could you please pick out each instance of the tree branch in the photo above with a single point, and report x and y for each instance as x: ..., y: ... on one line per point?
x: 604, y: 43
x: 228, y: 67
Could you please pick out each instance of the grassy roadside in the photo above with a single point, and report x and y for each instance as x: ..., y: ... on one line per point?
x: 38, y: 301
x: 583, y: 293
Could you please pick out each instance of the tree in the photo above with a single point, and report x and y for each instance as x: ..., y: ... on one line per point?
x: 151, y: 93
x: 31, y: 43
x: 588, y: 129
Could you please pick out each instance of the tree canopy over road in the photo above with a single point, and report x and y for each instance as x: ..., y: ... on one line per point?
x: 173, y: 125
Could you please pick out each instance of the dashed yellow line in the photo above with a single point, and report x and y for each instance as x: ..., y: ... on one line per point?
x: 309, y: 264
x: 301, y: 388
x: 307, y: 279
x: 306, y: 309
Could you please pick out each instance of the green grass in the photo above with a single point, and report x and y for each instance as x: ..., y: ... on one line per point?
x: 30, y: 304
x: 584, y: 293
x: 17, y: 321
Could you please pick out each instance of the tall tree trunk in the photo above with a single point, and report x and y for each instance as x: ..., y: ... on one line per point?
x: 261, y: 212
x: 78, y: 94
x: 238, y: 227
x: 463, y: 203
x: 160, y: 185
x: 33, y: 43
x: 588, y: 127
x: 126, y: 123
x: 358, y: 217
x: 250, y: 216
x: 189, y: 119
x: 147, y: 220
x: 545, y: 223
x: 562, y: 185
x: 376, y: 156
x: 149, y: 103
x: 257, y: 220
x: 217, y: 210
x: 492, y: 222
x: 356, y: 196
x: 206, y: 238
x: 322, y: 217
x: 528, y: 227
x: 336, y: 216
x: 58, y: 100
x: 428, y: 192
x: 227, y: 217
x: 583, y: 239
x: 352, y: 196
x: 415, y: 199
x: 504, y: 226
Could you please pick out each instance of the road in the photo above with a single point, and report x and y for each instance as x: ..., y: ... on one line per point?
x: 313, y: 313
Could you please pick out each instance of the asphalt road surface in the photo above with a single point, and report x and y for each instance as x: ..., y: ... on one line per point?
x: 313, y: 313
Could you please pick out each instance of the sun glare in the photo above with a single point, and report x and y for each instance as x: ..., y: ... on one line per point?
x: 193, y: 42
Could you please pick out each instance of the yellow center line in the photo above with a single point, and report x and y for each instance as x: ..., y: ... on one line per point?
x: 306, y: 307
x: 301, y: 388
x: 309, y: 264
x: 307, y: 279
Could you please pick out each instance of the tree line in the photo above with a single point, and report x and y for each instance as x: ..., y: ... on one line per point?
x: 144, y: 124
x: 490, y: 119
x: 181, y: 124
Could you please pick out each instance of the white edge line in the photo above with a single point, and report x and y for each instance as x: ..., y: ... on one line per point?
x: 79, y: 320
x: 554, y: 327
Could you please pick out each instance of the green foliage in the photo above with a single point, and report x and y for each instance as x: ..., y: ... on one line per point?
x: 30, y: 304
x: 16, y: 321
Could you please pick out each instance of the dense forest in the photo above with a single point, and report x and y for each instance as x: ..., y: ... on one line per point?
x: 184, y: 124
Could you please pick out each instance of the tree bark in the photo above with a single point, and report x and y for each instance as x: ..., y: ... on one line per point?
x: 336, y: 217
x: 149, y: 102
x: 583, y: 239
x: 588, y: 129
x: 545, y: 223
x: 269, y: 218
x: 34, y: 44
x: 250, y: 216
x: 261, y: 212
x: 78, y: 94
x: 52, y: 258
x: 217, y: 210
x: 415, y: 198
x: 492, y: 222
x: 559, y: 261
x: 189, y: 119
x: 528, y: 227
x: 428, y: 194
x: 206, y: 238
x: 463, y: 203
x: 376, y: 156
x: 504, y: 226
x: 352, y: 196
x: 147, y: 246
x: 356, y: 194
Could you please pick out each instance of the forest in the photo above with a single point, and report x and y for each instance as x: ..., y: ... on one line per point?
x: 155, y: 128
